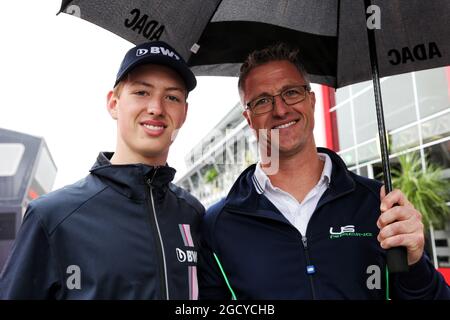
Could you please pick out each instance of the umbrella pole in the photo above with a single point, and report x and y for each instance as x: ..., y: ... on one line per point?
x: 396, y: 257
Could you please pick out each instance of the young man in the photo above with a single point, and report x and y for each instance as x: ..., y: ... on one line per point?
x: 310, y: 229
x: 125, y: 231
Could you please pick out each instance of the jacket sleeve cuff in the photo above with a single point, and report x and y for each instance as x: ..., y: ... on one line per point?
x: 419, y: 276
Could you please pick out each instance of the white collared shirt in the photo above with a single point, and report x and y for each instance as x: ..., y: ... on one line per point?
x: 298, y: 214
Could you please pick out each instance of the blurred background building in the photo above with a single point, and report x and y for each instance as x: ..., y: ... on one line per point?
x: 217, y: 160
x: 27, y: 171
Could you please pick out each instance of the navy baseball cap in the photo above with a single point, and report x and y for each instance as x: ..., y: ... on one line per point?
x: 156, y: 52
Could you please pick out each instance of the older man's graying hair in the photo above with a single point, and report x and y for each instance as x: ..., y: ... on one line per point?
x: 277, y: 52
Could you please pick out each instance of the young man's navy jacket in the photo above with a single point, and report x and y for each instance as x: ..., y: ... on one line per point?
x: 123, y: 232
x: 339, y: 257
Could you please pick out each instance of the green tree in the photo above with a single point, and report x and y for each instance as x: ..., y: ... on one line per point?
x: 211, y: 175
x: 425, y: 188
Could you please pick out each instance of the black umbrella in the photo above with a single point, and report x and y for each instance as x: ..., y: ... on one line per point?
x: 341, y: 41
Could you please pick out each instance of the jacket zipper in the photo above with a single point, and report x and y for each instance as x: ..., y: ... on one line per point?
x: 159, y: 244
x: 310, y: 269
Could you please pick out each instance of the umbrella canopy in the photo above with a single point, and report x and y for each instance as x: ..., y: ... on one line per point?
x: 215, y: 36
x: 341, y: 42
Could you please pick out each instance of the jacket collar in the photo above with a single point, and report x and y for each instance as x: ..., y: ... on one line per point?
x: 132, y: 180
x: 244, y: 197
x: 263, y: 183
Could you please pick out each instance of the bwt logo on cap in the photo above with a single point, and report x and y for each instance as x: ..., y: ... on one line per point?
x: 157, y: 50
x: 141, y: 52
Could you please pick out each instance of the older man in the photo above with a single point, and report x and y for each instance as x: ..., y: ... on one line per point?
x: 300, y: 225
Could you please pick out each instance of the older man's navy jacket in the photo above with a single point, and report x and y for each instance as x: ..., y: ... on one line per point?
x: 123, y: 232
x: 263, y: 256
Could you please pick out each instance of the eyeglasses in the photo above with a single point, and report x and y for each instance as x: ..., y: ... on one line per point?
x: 290, y: 96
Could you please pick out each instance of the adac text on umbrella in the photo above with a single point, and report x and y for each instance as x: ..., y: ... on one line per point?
x: 418, y: 52
x: 142, y: 24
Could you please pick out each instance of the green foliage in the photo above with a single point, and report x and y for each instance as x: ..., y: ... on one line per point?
x: 426, y: 189
x: 211, y: 175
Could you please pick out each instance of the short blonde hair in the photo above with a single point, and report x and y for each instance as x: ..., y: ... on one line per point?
x: 118, y: 89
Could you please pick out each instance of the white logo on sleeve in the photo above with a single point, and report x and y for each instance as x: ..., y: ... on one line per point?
x: 181, y: 255
x: 186, y: 256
